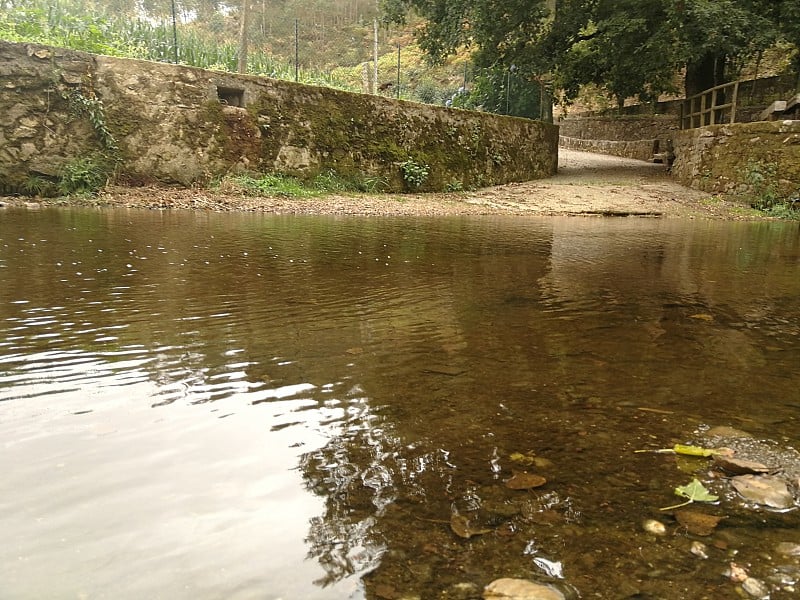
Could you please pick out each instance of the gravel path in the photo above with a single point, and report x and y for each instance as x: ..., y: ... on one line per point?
x: 586, y: 184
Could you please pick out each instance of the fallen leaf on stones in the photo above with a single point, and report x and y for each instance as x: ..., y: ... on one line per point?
x: 763, y: 489
x: 525, y: 481
x: 698, y: 523
x: 520, y: 589
x: 689, y: 464
x: 739, y: 466
x: 461, y: 527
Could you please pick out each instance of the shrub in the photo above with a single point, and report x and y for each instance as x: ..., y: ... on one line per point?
x: 85, y: 175
x: 414, y: 174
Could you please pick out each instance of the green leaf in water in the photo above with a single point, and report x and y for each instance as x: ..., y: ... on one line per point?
x: 687, y: 450
x: 695, y: 492
x: 693, y: 450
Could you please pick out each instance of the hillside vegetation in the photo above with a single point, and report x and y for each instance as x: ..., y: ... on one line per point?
x: 333, y: 40
x: 509, y: 58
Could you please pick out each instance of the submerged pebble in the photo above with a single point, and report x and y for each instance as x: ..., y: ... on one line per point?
x: 655, y: 527
x: 755, y: 587
x: 736, y: 573
x: 788, y: 549
x: 785, y: 576
x: 520, y: 589
x: 699, y: 549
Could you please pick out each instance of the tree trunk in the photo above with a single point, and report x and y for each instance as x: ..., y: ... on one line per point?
x: 375, y: 60
x: 242, y: 66
x: 704, y: 73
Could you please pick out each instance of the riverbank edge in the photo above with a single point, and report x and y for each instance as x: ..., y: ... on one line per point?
x: 509, y: 200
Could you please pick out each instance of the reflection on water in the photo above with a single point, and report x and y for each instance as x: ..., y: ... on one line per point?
x: 249, y: 406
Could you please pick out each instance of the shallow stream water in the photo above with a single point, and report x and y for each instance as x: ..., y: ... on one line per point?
x: 248, y: 406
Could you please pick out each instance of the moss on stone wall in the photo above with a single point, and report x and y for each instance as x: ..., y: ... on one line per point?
x: 41, y: 131
x: 722, y: 158
x: 171, y: 126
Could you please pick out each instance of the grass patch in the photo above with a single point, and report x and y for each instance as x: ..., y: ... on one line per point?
x: 744, y: 211
x: 85, y: 175
x: 266, y: 185
x: 787, y: 209
x: 285, y: 186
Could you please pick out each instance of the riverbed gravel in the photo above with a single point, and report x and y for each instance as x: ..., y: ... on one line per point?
x: 586, y: 185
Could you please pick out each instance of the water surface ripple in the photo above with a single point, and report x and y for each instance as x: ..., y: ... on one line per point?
x: 247, y: 406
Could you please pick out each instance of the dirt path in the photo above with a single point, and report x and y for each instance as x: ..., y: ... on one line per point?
x: 586, y: 184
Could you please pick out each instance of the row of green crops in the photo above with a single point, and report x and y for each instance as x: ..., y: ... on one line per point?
x: 59, y: 24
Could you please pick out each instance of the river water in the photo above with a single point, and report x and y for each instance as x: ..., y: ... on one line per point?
x: 248, y: 406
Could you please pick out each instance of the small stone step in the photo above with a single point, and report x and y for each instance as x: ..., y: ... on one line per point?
x: 773, y: 111
x: 793, y: 105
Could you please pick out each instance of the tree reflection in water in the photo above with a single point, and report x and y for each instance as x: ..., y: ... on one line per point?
x: 388, y: 505
x: 344, y: 539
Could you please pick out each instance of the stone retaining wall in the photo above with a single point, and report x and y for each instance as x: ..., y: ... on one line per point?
x: 731, y: 158
x: 628, y: 136
x: 638, y: 149
x: 175, y: 124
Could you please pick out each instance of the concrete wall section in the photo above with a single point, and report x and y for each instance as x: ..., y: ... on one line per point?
x: 175, y: 124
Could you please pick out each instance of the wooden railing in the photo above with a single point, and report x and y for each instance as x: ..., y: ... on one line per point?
x: 711, y: 107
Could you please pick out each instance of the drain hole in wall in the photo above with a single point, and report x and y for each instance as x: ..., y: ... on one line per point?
x: 230, y: 96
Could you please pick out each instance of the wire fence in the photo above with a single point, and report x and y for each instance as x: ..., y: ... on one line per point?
x: 310, y: 50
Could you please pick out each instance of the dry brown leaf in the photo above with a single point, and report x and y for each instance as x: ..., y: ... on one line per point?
x: 461, y: 527
x: 525, y: 481
x: 739, y: 466
x: 698, y: 523
x: 763, y: 489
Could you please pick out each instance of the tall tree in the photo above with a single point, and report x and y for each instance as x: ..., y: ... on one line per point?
x: 628, y: 47
x: 621, y: 47
x: 714, y: 35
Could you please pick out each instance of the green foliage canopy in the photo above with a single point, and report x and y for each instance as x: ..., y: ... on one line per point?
x: 627, y: 47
